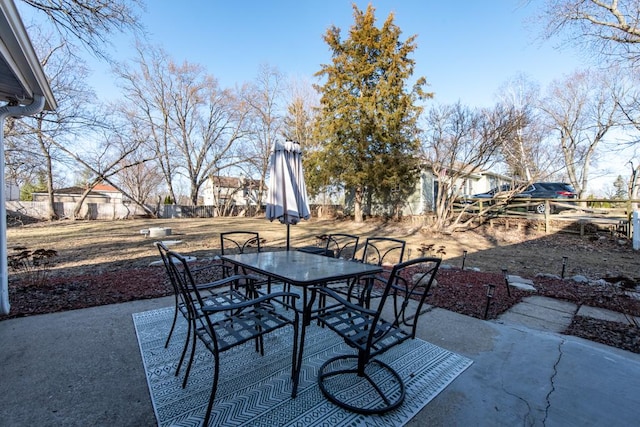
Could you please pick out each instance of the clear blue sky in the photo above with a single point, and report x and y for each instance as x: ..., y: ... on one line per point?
x: 466, y: 49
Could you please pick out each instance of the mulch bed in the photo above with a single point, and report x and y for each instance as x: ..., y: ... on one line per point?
x: 461, y: 291
x: 87, y: 290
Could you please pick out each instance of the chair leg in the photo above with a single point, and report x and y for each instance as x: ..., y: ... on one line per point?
x: 193, y: 351
x: 214, y: 388
x: 380, y: 397
x: 173, y: 324
x: 184, y: 348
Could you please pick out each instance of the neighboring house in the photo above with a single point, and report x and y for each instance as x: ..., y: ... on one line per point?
x: 101, y: 193
x: 423, y: 200
x: 227, y: 190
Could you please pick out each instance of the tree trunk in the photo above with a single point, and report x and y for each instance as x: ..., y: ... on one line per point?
x: 78, y: 206
x: 50, y: 198
x: 357, y: 205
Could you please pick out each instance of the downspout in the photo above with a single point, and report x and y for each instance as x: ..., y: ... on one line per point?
x: 9, y: 111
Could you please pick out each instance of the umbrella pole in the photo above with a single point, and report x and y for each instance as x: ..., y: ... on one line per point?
x: 287, y: 236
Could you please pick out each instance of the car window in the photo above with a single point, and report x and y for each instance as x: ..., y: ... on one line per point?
x: 556, y: 186
x: 547, y: 185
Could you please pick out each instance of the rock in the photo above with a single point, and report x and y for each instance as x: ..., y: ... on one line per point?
x: 520, y: 283
x: 623, y: 280
x: 420, y: 279
x: 580, y: 279
x: 446, y: 267
x: 548, y: 276
x: 523, y: 286
x: 512, y: 278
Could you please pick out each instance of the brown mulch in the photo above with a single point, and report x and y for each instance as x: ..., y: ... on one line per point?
x: 461, y: 291
x: 87, y: 290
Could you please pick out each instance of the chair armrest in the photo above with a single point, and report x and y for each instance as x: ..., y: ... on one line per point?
x: 342, y: 301
x: 250, y: 302
x: 225, y: 281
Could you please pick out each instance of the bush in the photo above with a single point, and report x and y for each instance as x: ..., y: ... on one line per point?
x: 33, y: 266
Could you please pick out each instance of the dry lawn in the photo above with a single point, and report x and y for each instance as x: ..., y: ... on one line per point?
x: 103, y: 246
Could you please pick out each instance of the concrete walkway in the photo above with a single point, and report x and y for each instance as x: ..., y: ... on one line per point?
x: 83, y: 368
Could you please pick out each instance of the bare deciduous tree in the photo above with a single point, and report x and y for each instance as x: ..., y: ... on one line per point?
x: 527, y: 154
x: 459, y: 142
x: 143, y: 179
x: 263, y: 97
x: 581, y: 110
x: 91, y: 22
x: 298, y: 121
x: 106, y: 159
x: 609, y: 29
x: 42, y: 134
x: 194, y: 124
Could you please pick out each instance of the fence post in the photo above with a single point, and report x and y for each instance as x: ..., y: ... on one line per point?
x: 636, y: 230
x: 547, y: 216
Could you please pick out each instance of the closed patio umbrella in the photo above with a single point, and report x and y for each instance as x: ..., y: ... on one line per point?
x: 287, y: 195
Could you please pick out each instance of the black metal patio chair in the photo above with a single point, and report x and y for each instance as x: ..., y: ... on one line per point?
x: 239, y: 242
x: 372, y: 332
x: 219, y: 292
x: 221, y: 327
x: 342, y: 245
x: 242, y: 242
x: 382, y: 251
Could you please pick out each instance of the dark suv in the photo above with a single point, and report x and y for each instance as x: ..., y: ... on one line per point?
x: 547, y: 190
x: 494, y: 192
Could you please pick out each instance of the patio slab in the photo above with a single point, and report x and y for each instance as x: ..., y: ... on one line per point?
x: 83, y: 367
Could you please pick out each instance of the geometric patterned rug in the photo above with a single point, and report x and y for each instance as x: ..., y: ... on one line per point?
x: 256, y: 391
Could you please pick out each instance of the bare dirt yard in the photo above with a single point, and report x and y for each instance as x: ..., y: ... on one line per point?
x: 103, y: 262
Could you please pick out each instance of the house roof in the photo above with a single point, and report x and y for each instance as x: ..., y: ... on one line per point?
x: 233, y: 182
x: 78, y: 190
x: 106, y: 188
x: 470, y: 171
x: 21, y: 74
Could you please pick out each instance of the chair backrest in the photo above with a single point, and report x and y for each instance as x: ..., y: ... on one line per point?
x: 385, y: 251
x: 164, y: 251
x: 178, y: 272
x: 239, y: 242
x: 407, y: 286
x: 342, y: 245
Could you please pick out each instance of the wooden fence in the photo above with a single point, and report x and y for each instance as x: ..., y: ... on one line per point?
x: 579, y: 216
x: 20, y: 212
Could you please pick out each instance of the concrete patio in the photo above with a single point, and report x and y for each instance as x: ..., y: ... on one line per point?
x: 83, y: 367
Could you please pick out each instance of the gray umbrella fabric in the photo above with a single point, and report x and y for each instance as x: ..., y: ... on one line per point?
x: 287, y: 195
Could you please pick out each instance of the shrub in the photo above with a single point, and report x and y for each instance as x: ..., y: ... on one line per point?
x: 34, y: 266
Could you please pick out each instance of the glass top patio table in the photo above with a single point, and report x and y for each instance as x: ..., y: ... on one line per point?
x: 301, y: 268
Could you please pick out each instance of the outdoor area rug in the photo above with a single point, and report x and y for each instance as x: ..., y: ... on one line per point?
x: 256, y: 391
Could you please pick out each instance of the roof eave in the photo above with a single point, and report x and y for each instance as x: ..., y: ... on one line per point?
x: 18, y: 54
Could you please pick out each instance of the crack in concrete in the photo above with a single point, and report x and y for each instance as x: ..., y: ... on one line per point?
x: 528, y: 414
x: 552, y: 380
